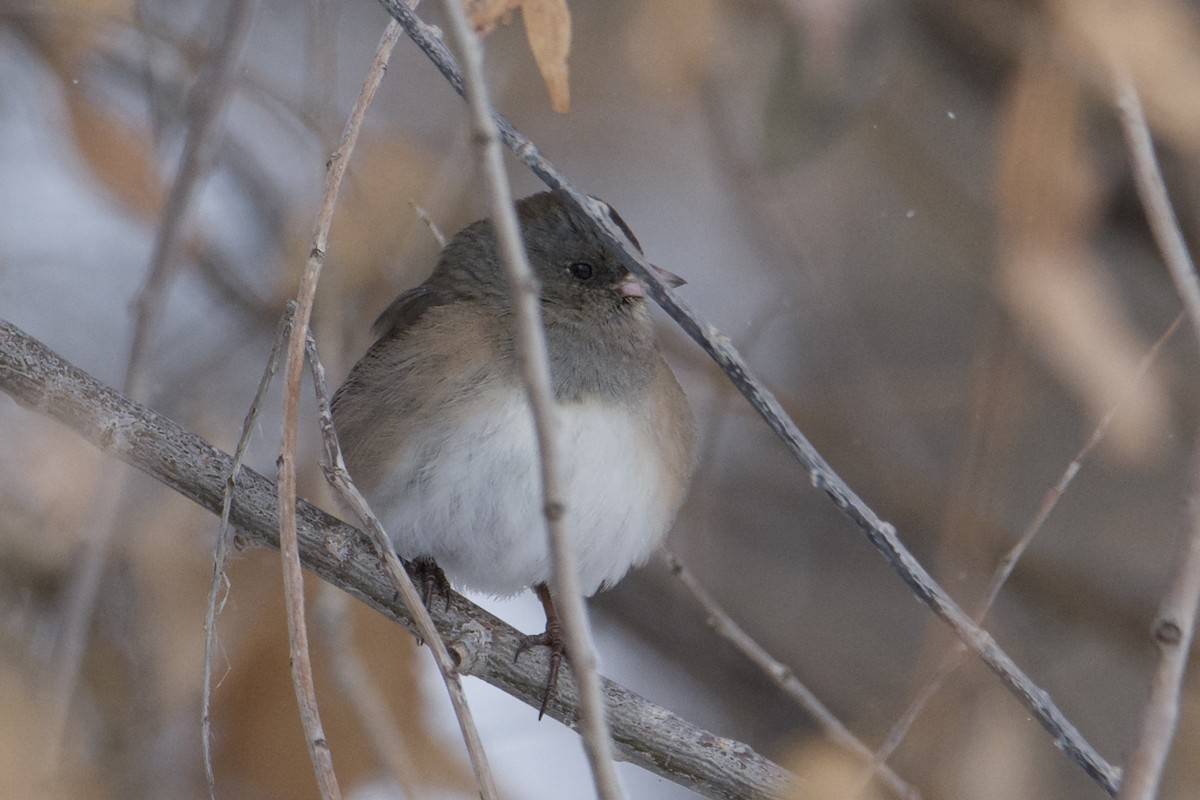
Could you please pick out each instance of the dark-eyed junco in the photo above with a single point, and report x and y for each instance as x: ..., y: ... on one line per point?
x: 437, y: 430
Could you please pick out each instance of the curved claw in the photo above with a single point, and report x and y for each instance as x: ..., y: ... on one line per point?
x: 429, y: 575
x: 551, y: 638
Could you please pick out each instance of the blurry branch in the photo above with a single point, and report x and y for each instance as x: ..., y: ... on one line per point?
x: 534, y: 361
x: 1176, y: 623
x: 1009, y: 561
x: 210, y: 91
x: 1152, y: 190
x: 783, y: 677
x: 645, y: 734
x: 880, y: 534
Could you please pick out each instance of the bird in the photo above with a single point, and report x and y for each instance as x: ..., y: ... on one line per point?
x: 437, y: 430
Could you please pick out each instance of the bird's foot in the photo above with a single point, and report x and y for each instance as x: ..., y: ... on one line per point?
x: 552, y: 638
x: 430, y: 578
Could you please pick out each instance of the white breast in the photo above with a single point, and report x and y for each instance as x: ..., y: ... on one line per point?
x: 470, y: 497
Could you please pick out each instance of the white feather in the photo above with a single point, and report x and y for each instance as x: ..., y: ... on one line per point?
x: 470, y: 497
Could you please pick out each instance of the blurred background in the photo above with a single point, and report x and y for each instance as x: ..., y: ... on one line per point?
x: 914, y: 218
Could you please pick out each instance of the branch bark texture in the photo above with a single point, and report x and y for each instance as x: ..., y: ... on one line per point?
x: 643, y: 733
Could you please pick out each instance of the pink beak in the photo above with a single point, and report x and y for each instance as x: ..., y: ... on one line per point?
x: 630, y: 286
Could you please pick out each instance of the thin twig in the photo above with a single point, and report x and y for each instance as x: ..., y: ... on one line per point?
x: 535, y: 371
x: 318, y: 747
x: 1008, y: 562
x: 645, y: 734
x: 339, y: 477
x: 212, y: 87
x: 1152, y: 190
x: 293, y: 590
x: 781, y: 675
x: 221, y: 551
x: 1175, y: 627
x: 880, y: 534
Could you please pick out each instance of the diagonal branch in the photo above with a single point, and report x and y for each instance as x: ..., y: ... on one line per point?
x: 882, y: 535
x: 644, y: 734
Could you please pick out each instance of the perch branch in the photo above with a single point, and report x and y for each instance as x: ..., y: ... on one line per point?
x: 880, y: 534
x: 645, y: 734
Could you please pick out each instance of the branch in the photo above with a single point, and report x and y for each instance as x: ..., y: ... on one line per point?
x: 535, y: 373
x: 645, y: 734
x: 293, y: 579
x: 880, y: 534
x: 1176, y: 623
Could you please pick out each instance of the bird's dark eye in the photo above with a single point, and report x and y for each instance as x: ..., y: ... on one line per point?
x: 581, y: 270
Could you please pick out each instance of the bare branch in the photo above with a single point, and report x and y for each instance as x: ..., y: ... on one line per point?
x: 645, y: 734
x: 1175, y: 627
x: 1152, y: 190
x: 535, y: 372
x: 293, y: 581
x: 210, y: 91
x: 880, y: 534
x: 1173, y: 633
x: 341, y: 479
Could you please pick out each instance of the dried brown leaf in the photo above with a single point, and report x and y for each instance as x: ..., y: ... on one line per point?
x: 485, y: 15
x: 827, y: 771
x: 120, y: 156
x: 548, y: 27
